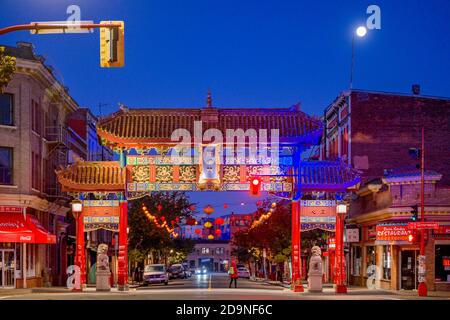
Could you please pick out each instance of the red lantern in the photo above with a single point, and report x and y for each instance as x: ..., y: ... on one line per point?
x: 198, y: 231
x: 219, y: 221
x: 177, y: 219
x: 191, y: 222
x: 259, y: 203
x: 225, y: 206
x: 208, y: 209
x: 218, y: 232
x: 159, y: 207
x: 163, y: 218
x: 192, y: 207
x: 172, y: 222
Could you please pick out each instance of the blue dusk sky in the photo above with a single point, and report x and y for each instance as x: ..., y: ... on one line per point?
x: 249, y: 53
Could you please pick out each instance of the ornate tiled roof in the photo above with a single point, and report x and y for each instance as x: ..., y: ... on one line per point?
x: 92, y: 176
x: 327, y: 176
x: 129, y: 126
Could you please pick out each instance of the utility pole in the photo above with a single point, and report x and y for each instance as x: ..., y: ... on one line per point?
x: 422, y: 290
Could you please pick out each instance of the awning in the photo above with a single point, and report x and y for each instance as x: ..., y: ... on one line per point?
x: 14, y: 227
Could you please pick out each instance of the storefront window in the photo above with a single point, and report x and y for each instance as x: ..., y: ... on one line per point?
x: 370, y: 258
x: 387, y: 262
x: 442, y: 263
x: 357, y: 259
x: 30, y: 260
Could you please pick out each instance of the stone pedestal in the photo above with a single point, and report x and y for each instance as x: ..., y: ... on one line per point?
x: 315, y: 274
x: 103, y: 283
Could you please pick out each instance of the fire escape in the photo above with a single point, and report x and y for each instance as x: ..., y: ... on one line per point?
x: 57, y: 156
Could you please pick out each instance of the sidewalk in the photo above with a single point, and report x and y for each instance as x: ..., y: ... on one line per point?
x: 13, y: 292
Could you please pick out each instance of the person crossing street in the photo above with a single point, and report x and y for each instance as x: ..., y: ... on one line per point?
x: 233, y: 272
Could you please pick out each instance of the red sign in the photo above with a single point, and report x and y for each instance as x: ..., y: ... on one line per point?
x: 393, y: 233
x: 10, y: 209
x: 446, y: 263
x: 423, y: 225
x: 445, y: 230
x: 331, y: 243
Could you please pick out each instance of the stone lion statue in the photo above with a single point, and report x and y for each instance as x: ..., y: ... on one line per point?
x: 102, y: 257
x: 315, y: 251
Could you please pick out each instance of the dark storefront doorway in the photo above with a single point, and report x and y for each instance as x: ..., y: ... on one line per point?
x: 7, y: 276
x: 408, y: 274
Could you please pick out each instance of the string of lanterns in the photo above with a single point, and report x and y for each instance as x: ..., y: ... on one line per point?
x: 264, y: 216
x: 164, y: 223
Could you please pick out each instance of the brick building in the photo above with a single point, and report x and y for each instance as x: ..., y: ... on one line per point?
x: 385, y: 204
x: 373, y: 132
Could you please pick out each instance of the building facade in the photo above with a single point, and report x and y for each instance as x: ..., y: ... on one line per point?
x: 213, y: 255
x: 386, y: 257
x: 373, y: 132
x: 34, y: 142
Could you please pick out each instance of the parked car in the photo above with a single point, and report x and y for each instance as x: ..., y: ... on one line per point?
x: 187, y: 270
x: 243, y: 273
x: 156, y: 273
x: 176, y: 271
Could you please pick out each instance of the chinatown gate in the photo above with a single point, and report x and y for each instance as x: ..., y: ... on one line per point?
x: 154, y: 158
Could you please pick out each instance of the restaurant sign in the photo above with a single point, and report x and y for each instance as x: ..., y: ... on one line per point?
x: 393, y: 232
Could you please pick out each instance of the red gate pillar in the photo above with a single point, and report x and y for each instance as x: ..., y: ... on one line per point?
x: 122, y: 259
x: 340, y: 267
x: 296, y: 250
x: 80, y: 253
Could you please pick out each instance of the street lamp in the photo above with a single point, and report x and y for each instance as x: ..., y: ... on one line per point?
x: 341, y: 211
x: 361, y: 32
x: 77, y: 208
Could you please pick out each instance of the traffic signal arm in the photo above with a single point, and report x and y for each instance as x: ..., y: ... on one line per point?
x: 43, y: 26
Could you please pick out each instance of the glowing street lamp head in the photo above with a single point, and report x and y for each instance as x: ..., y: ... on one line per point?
x: 255, y: 181
x: 361, y: 31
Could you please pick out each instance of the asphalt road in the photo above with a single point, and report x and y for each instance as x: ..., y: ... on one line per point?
x: 212, y: 287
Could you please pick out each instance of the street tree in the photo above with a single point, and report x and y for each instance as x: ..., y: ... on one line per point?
x: 146, y: 238
x: 7, y: 68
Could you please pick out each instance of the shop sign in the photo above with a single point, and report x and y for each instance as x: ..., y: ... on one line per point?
x: 10, y: 209
x: 446, y: 263
x: 393, y: 232
x: 442, y: 230
x: 352, y: 235
x: 423, y: 225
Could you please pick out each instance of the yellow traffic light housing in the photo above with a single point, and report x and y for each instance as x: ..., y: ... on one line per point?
x: 112, y: 53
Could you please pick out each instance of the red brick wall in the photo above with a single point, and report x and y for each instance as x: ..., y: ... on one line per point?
x: 384, y: 127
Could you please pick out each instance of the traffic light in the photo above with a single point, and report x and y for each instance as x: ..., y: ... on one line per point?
x: 112, y: 52
x: 416, y: 153
x: 415, y: 212
x: 255, y: 185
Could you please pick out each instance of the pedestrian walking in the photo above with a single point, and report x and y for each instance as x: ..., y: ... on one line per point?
x: 233, y: 272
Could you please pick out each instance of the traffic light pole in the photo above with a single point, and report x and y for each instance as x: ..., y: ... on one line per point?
x: 422, y: 289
